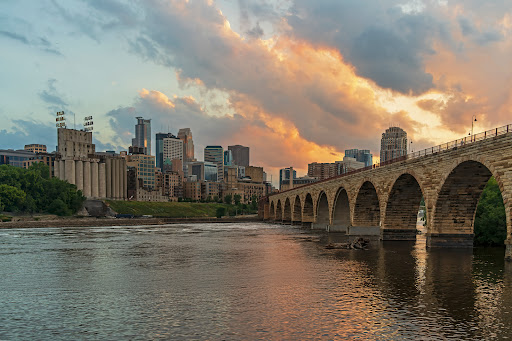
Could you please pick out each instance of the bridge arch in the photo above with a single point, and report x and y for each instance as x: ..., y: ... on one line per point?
x: 401, y: 212
x: 279, y: 211
x: 367, y: 206
x: 322, y: 212
x: 297, y: 209
x: 454, y: 212
x: 341, y: 211
x: 272, y: 211
x: 308, y: 211
x: 287, y: 211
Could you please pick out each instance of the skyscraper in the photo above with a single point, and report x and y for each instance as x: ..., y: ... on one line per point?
x: 393, y: 144
x: 143, y: 135
x: 361, y: 155
x: 173, y: 149
x: 240, y: 155
x: 228, y: 158
x: 185, y: 134
x: 284, y: 175
x: 159, y: 148
x: 215, y: 154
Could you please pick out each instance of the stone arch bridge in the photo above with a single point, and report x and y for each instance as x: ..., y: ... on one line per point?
x: 386, y: 198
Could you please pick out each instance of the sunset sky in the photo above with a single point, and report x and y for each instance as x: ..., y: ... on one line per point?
x: 297, y: 81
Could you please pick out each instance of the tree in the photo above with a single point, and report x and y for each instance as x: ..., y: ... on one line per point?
x: 39, y: 189
x: 41, y: 169
x: 58, y: 207
x: 12, y: 198
x: 254, y: 202
x: 228, y: 199
x: 221, y: 211
x: 237, y: 198
x: 490, y: 220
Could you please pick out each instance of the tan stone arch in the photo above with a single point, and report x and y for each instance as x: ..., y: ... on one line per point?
x: 401, y: 205
x: 340, y: 214
x: 367, y: 212
x: 287, y: 210
x: 452, y: 224
x: 322, y: 212
x: 279, y: 210
x: 272, y: 210
x: 297, y: 209
x: 308, y: 208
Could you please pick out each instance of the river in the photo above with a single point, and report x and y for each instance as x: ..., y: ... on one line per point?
x: 244, y: 282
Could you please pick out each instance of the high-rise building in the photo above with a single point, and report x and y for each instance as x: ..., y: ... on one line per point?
x: 215, y: 154
x: 173, y: 149
x: 348, y: 164
x: 35, y: 148
x: 322, y: 171
x: 145, y: 168
x: 185, y: 134
x: 393, y: 144
x: 240, y: 155
x: 285, y: 174
x: 255, y: 173
x: 228, y: 158
x: 361, y: 155
x: 159, y: 148
x: 142, y: 135
x: 206, y: 171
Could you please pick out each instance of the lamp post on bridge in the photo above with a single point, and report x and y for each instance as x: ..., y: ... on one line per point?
x: 473, y: 120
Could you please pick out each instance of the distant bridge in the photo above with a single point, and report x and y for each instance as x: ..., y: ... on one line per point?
x: 385, y: 198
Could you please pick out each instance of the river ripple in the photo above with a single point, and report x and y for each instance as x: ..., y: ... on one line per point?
x: 248, y: 281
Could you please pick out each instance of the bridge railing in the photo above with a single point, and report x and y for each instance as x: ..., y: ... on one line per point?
x: 459, y: 143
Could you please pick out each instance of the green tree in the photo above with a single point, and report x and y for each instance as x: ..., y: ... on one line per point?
x: 490, y: 220
x: 254, y: 203
x: 237, y: 198
x: 220, y: 212
x: 58, y: 207
x: 41, y: 169
x: 228, y: 199
x: 12, y: 198
x: 40, y: 189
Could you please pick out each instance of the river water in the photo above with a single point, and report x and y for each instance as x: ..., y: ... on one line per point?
x: 246, y: 281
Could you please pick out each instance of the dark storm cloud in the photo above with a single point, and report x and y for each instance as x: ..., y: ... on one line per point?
x: 384, y: 43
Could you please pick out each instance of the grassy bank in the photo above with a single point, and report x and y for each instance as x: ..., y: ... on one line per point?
x: 166, y: 209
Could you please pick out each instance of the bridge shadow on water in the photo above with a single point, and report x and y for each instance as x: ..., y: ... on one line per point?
x: 460, y: 293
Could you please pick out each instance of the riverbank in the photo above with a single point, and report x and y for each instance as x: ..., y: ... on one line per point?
x: 170, y: 209
x: 91, y: 221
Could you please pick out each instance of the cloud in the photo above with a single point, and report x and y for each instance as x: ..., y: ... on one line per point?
x: 22, y: 32
x: 15, y: 36
x: 52, y: 97
x: 27, y: 132
x: 319, y: 81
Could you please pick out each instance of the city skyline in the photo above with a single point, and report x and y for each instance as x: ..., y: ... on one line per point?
x: 303, y: 73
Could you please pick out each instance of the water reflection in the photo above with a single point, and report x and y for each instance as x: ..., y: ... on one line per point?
x: 253, y: 281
